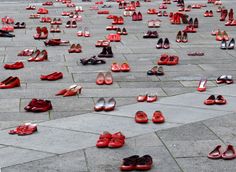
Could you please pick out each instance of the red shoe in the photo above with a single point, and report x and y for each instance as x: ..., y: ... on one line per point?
x: 108, y: 78
x: 142, y: 98
x: 48, y: 3
x: 110, y: 105
x: 39, y: 56
x: 202, y: 85
x: 28, y: 130
x: 103, y: 12
x: 229, y: 153
x: 18, y: 129
x: 104, y: 140
x: 173, y: 60
x: 220, y: 100
x: 151, y: 98
x: 31, y: 7
x: 115, y: 67
x: 52, y: 77
x: 71, y: 91
x: 125, y: 67
x: 139, y: 16
x: 100, y: 79
x: 158, y: 117
x: 216, y: 153
x: 16, y: 65
x: 10, y: 82
x: 42, y: 11
x: 37, y: 105
x: 8, y: 28
x: 223, y: 14
x: 190, y: 29
x: 144, y: 163
x: 134, y: 16
x: 45, y: 20
x: 210, y: 100
x: 129, y: 163
x: 141, y: 117
x: 117, y: 141
x: 163, y: 59
x: 100, y: 105
x: 25, y: 52
x: 42, y: 33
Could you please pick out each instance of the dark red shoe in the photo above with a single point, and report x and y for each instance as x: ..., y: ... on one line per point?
x: 17, y: 65
x: 210, y: 100
x: 141, y: 117
x: 129, y: 163
x: 144, y: 163
x: 158, y: 117
x: 38, y: 105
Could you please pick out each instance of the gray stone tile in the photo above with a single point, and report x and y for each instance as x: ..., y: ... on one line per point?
x: 12, y: 156
x: 9, y: 105
x: 50, y: 140
x: 74, y: 162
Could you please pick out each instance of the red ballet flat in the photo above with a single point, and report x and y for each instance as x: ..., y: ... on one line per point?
x: 141, y: 117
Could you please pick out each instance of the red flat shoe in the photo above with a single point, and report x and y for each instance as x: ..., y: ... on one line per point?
x: 117, y: 141
x: 39, y: 56
x: 229, y: 153
x: 104, y: 140
x: 100, y: 79
x: 10, y: 82
x: 100, y: 105
x: 31, y: 7
x: 42, y: 11
x: 220, y: 100
x: 144, y: 163
x: 52, y: 77
x: 115, y: 67
x: 210, y: 100
x: 163, y: 59
x: 110, y: 105
x: 141, y: 117
x: 202, y: 85
x: 17, y: 65
x: 158, y: 117
x: 18, y: 129
x: 47, y: 3
x: 39, y: 106
x: 125, y: 67
x: 129, y: 163
x: 108, y: 78
x: 216, y: 153
x: 142, y: 98
x: 26, y: 52
x: 151, y: 98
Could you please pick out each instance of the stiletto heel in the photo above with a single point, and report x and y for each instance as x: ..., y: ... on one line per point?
x: 202, y: 85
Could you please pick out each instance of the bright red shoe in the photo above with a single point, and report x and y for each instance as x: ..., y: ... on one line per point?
x: 117, y: 141
x: 10, y: 82
x: 42, y: 11
x: 142, y: 98
x: 216, y: 153
x: 108, y: 78
x: 220, y: 100
x: 28, y: 130
x: 202, y: 85
x: 100, y: 79
x: 210, y: 100
x: 125, y: 67
x: 104, y: 140
x: 52, y: 77
x: 115, y: 67
x: 141, y: 117
x: 151, y: 98
x: 173, y: 60
x: 158, y: 117
x: 163, y: 59
x: 17, y: 65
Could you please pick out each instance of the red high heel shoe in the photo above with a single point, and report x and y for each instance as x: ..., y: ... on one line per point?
x: 71, y: 91
x: 10, y: 82
x: 42, y: 33
x: 202, y: 85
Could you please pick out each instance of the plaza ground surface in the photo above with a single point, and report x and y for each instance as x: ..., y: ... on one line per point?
x: 67, y: 135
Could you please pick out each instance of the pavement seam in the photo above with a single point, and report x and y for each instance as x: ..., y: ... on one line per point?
x: 169, y: 152
x: 86, y: 160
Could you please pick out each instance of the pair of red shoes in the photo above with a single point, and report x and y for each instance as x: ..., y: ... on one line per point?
x: 103, y: 12
x: 118, y: 20
x: 137, y: 16
x: 147, y: 98
x: 228, y: 154
x: 208, y: 13
x: 39, y: 56
x: 124, y: 67
x: 152, y: 11
x: 38, y: 105
x: 115, y: 140
x: 42, y: 33
x: 45, y: 20
x: 168, y: 60
x: 52, y: 77
x: 8, y: 28
x: 24, y: 129
x: 219, y: 100
x: 114, y: 37
x: 178, y: 17
x: 141, y: 117
x: 7, y: 20
x: 106, y: 79
x: 16, y: 65
x: 42, y: 11
x: 31, y: 7
x: 71, y: 91
x: 10, y: 82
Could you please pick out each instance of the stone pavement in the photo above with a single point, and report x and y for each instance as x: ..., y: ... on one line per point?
x: 67, y: 135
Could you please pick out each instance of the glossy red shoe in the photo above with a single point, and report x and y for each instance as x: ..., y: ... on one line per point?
x: 210, y: 100
x: 163, y: 59
x: 47, y: 3
x: 117, y: 141
x: 144, y: 163
x: 104, y: 140
x: 151, y: 98
x: 108, y: 78
x: 202, y: 85
x: 141, y: 117
x: 125, y: 67
x: 158, y: 117
x: 142, y: 98
x: 18, y: 129
x: 220, y: 100
x: 216, y: 153
x: 28, y: 130
x: 115, y: 67
x: 10, y: 82
x: 229, y: 153
x: 52, y: 77
x: 17, y: 65
x: 110, y: 105
x: 42, y: 33
x: 26, y: 52
x: 100, y: 105
x: 39, y: 56
x: 42, y: 11
x: 38, y: 105
x: 100, y: 79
